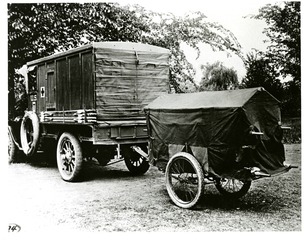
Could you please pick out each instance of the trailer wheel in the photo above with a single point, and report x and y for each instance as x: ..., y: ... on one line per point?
x: 135, y: 163
x: 12, y: 149
x: 29, y: 133
x: 69, y: 157
x: 184, y: 180
x: 232, y: 188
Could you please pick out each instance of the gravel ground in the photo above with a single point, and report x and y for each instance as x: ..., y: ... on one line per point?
x: 110, y: 199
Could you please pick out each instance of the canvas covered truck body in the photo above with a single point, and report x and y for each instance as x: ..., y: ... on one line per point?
x: 116, y: 79
x: 226, y: 137
x: 96, y: 94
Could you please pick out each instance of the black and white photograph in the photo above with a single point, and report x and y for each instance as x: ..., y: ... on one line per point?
x: 151, y: 117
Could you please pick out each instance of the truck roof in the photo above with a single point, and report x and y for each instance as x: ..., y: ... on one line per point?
x: 141, y: 47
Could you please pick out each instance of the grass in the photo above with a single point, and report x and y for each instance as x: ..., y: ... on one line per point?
x: 110, y: 199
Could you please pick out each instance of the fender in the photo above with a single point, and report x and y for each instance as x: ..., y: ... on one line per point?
x: 14, y: 130
x: 14, y: 137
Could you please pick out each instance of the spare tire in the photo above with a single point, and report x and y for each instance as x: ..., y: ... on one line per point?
x: 29, y: 133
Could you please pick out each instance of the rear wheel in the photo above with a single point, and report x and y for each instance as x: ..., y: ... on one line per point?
x: 69, y: 157
x: 231, y: 187
x: 184, y: 180
x: 135, y: 163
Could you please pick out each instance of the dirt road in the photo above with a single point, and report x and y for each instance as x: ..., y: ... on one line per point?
x: 109, y: 199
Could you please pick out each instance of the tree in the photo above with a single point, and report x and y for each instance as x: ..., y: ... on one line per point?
x: 284, y: 34
x: 38, y: 30
x: 283, y: 55
x: 217, y: 77
x: 171, y: 31
x: 260, y: 72
x: 291, y: 105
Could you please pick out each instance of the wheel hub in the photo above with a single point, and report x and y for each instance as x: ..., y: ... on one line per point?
x: 186, y: 179
x: 68, y: 156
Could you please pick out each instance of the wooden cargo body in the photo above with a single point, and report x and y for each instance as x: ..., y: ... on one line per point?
x: 102, y: 87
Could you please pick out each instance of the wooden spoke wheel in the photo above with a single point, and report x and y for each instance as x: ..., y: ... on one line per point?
x: 135, y: 163
x: 184, y: 180
x: 232, y: 187
x: 69, y: 157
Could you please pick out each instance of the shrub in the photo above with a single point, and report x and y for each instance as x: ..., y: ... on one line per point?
x: 294, y: 134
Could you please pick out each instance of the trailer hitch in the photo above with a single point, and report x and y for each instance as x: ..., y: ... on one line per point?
x: 256, y: 172
x: 140, y: 152
x: 291, y: 166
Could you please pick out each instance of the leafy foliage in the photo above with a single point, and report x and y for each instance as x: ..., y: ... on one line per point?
x: 282, y: 58
x: 217, y: 77
x: 294, y: 134
x: 37, y: 30
x: 260, y: 72
x: 284, y: 35
x: 291, y: 104
x: 171, y: 31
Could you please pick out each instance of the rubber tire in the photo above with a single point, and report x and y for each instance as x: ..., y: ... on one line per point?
x: 198, y: 169
x: 29, y: 150
x: 130, y: 158
x: 78, y: 157
x: 237, y: 194
x: 12, y: 149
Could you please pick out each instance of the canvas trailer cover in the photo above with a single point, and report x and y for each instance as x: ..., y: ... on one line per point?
x: 225, y: 130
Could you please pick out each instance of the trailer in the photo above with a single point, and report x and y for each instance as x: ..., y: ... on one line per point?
x: 89, y: 102
x: 227, y: 138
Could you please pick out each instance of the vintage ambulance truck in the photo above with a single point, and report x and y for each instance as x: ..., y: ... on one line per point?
x: 89, y: 101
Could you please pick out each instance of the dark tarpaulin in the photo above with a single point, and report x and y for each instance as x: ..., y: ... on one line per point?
x: 218, y: 123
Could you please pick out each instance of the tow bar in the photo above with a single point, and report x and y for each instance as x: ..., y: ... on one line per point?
x: 140, y: 152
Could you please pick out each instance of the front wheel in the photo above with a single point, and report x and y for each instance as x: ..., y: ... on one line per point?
x: 12, y: 149
x: 69, y: 157
x: 184, y: 180
x: 232, y: 188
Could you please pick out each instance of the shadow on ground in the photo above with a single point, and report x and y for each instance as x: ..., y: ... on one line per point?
x: 91, y: 170
x: 260, y: 198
